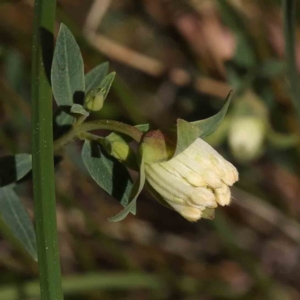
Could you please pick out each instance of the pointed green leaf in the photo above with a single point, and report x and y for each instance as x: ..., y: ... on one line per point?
x: 106, y: 84
x: 107, y: 171
x: 143, y: 127
x: 136, y: 190
x: 210, y: 125
x: 187, y: 133
x: 67, y: 74
x: 95, y: 76
x: 14, y: 167
x: 17, y: 219
x: 78, y: 109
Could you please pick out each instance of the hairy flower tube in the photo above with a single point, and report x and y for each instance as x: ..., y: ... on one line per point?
x: 194, y: 180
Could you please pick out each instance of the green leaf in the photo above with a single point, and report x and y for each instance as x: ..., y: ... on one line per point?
x: 62, y: 123
x: 135, y: 191
x: 210, y: 125
x: 187, y: 133
x: 67, y: 74
x: 78, y: 109
x: 95, y: 76
x: 107, y: 171
x: 106, y: 83
x: 14, y: 167
x: 143, y: 127
x: 17, y: 219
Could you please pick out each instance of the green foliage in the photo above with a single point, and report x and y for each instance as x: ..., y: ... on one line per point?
x: 107, y: 171
x: 94, y: 78
x: 187, y: 133
x: 17, y: 219
x: 62, y: 123
x: 106, y: 83
x: 14, y: 168
x: 78, y: 109
x: 67, y: 74
x: 135, y: 191
x: 74, y: 93
x: 210, y: 125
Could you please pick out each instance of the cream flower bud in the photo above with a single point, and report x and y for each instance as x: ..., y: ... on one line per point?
x: 194, y: 180
x: 248, y: 127
x: 246, y: 137
x: 95, y: 99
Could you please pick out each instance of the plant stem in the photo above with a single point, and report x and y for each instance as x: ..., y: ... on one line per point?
x: 289, y: 10
x: 74, y: 285
x: 42, y: 152
x: 99, y: 124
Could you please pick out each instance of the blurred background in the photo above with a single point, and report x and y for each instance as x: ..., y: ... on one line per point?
x: 173, y: 58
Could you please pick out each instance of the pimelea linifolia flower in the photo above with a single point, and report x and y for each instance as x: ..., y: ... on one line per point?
x: 194, y: 180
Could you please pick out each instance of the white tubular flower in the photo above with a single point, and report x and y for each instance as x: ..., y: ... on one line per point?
x: 196, y: 179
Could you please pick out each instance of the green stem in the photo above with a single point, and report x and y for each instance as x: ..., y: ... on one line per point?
x: 80, y: 120
x: 91, y: 137
x: 289, y: 34
x: 42, y: 152
x: 99, y: 124
x: 87, y: 283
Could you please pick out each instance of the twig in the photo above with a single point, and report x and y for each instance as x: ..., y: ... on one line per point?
x: 95, y: 15
x: 146, y: 64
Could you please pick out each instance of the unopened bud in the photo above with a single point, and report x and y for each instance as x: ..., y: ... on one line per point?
x: 246, y: 137
x: 117, y: 149
x: 248, y: 126
x: 95, y: 99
